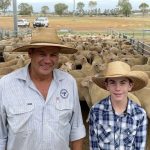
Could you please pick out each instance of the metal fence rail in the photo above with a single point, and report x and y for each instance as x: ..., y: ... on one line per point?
x: 139, y: 46
x: 6, y: 34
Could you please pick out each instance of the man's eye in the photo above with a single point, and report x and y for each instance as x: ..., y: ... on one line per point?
x: 41, y: 54
x: 54, y: 55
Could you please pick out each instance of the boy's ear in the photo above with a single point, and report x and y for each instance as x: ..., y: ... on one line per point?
x: 106, y: 85
x: 131, y: 84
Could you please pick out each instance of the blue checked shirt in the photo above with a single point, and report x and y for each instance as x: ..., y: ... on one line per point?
x: 28, y: 122
x: 109, y: 131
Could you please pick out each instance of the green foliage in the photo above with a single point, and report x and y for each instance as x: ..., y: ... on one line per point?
x: 143, y: 7
x: 80, y: 6
x: 60, y: 8
x: 4, y: 4
x: 125, y: 7
x: 44, y: 10
x: 92, y: 4
x: 25, y: 9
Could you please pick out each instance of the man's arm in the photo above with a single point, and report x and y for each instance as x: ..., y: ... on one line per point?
x: 3, y: 126
x: 77, y: 145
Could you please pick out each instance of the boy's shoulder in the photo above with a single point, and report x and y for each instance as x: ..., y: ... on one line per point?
x: 136, y: 108
x: 101, y: 104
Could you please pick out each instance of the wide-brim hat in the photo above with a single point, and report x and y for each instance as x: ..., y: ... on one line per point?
x: 46, y: 37
x: 120, y: 69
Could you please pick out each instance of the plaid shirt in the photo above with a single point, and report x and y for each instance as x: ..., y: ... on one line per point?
x: 109, y: 131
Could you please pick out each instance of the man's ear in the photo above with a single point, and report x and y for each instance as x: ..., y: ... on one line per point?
x: 30, y: 52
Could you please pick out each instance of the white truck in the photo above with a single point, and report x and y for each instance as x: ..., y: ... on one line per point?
x: 41, y: 22
x: 23, y: 23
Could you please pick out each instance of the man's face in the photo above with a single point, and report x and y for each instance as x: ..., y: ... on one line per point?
x: 118, y: 88
x: 44, y: 60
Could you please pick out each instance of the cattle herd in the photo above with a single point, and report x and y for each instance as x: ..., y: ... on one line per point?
x: 94, y: 52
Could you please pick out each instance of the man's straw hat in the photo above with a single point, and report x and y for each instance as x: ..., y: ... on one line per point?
x: 121, y: 69
x: 46, y: 37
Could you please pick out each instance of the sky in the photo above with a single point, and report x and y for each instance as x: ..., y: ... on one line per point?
x: 103, y: 4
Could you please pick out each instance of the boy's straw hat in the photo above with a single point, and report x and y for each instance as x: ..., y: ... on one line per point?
x: 121, y: 69
x: 46, y: 37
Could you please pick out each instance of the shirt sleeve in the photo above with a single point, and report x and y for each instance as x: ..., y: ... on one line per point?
x: 141, y: 134
x: 93, y: 141
x: 77, y: 126
x: 3, y: 124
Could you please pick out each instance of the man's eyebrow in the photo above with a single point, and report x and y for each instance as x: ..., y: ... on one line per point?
x: 111, y: 80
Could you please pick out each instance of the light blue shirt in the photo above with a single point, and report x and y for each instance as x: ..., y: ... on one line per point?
x: 28, y: 122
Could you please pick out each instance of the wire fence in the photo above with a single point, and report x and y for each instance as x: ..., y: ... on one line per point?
x: 6, y: 34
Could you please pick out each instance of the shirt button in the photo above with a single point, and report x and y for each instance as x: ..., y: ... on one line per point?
x: 57, y: 99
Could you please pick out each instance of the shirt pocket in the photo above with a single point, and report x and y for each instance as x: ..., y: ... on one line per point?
x: 104, y: 135
x: 64, y: 112
x: 129, y: 135
x: 19, y: 118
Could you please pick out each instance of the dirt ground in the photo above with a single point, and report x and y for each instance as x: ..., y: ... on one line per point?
x: 87, y: 23
x: 137, y: 27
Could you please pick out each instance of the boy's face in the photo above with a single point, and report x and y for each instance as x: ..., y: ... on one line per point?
x: 118, y: 88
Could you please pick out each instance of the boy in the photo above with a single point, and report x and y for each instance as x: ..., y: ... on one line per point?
x: 116, y: 122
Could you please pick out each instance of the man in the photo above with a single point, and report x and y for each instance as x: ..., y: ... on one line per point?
x: 39, y: 105
x: 116, y: 122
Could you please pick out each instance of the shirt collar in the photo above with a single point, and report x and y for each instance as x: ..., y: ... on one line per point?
x: 108, y: 106
x: 23, y: 74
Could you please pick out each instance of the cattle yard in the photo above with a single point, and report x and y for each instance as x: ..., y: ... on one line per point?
x: 99, y: 40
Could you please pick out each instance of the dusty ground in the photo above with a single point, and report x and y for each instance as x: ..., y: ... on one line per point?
x: 88, y: 23
x: 133, y: 25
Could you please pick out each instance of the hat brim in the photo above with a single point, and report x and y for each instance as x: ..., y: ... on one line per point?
x: 139, y: 78
x: 63, y: 49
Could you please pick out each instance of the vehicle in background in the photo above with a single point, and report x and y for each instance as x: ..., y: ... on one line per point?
x: 41, y: 22
x: 23, y: 23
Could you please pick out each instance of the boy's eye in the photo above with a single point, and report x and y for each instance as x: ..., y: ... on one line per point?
x: 123, y: 82
x: 111, y: 82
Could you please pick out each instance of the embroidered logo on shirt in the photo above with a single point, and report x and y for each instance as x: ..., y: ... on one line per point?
x: 64, y: 93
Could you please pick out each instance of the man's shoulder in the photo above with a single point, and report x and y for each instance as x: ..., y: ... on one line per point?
x: 63, y: 74
x: 11, y: 76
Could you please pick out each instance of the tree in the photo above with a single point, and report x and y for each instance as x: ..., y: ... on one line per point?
x: 60, y: 8
x: 44, y: 10
x: 25, y: 9
x: 92, y: 5
x: 4, y: 4
x: 80, y: 6
x: 143, y: 7
x: 125, y: 7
